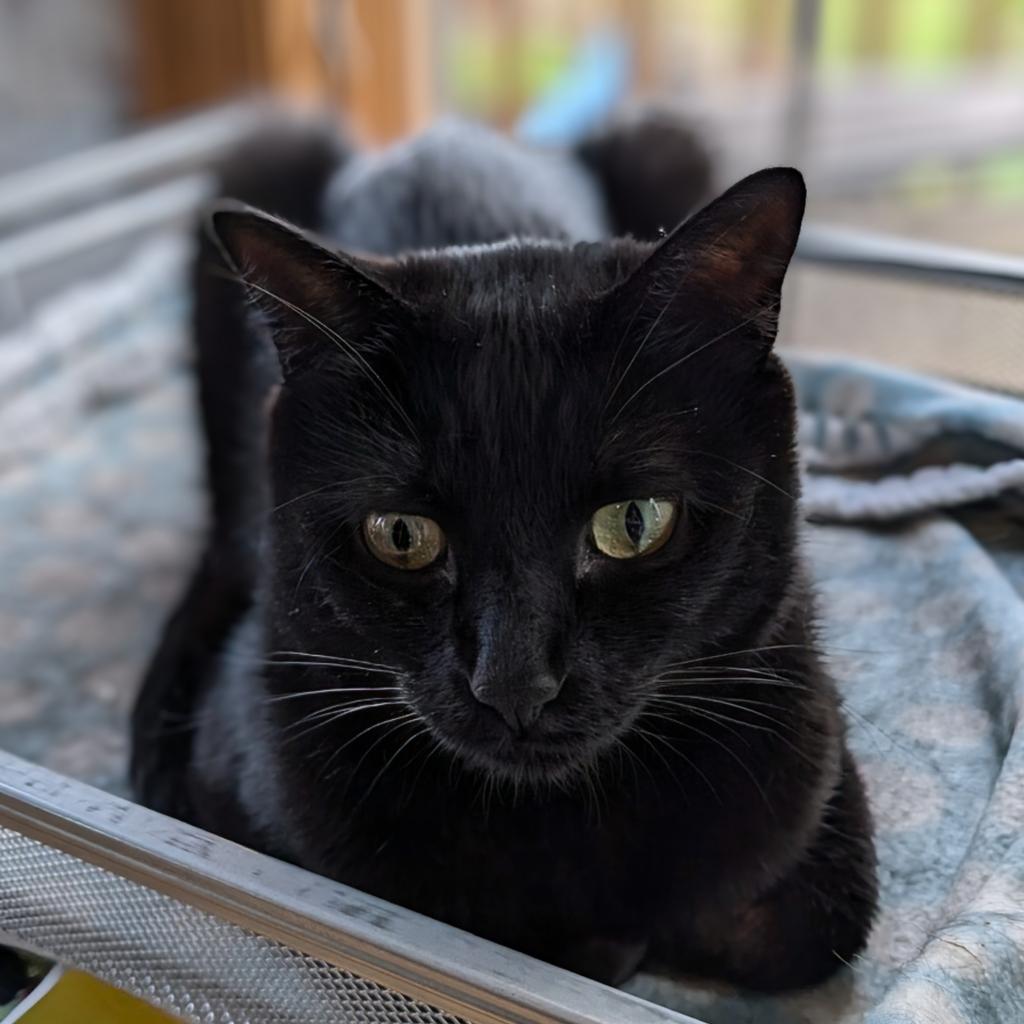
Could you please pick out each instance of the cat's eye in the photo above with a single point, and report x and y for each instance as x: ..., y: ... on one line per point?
x: 403, y: 541
x: 627, y: 529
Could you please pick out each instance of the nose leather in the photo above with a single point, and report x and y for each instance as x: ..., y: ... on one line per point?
x: 518, y: 701
x: 512, y: 673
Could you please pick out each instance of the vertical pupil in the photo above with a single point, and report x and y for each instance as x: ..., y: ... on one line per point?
x: 634, y: 521
x: 400, y: 536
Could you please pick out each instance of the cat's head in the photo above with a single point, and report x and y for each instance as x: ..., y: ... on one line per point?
x: 531, y: 478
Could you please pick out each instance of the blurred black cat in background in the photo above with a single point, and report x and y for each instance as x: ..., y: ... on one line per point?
x: 503, y: 616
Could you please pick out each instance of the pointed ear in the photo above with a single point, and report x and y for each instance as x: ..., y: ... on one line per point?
x: 734, y: 252
x: 316, y: 302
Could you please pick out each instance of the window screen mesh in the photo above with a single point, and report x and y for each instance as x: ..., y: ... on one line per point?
x: 175, y: 956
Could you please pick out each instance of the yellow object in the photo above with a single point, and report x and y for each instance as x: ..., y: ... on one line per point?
x: 81, y: 999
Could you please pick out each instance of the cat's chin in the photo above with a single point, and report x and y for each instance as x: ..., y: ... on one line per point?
x: 528, y: 762
x: 529, y: 767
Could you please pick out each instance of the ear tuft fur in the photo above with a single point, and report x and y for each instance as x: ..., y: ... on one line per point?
x: 314, y: 300
x: 735, y: 251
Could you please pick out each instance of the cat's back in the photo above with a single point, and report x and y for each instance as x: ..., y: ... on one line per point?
x: 460, y: 184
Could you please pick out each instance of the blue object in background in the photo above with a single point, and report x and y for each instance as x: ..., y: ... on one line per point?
x: 583, y: 96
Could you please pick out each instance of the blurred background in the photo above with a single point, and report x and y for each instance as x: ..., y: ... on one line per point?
x: 907, y: 117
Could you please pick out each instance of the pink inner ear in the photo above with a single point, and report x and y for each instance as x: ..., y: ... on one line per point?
x: 721, y: 263
x: 749, y: 259
x: 270, y: 256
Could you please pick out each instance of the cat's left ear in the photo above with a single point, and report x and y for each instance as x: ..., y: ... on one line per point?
x: 732, y: 254
x: 315, y: 301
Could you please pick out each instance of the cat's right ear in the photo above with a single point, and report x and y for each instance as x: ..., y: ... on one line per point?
x: 316, y: 303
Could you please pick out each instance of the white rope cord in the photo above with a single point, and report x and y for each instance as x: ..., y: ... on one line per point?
x: 896, y: 497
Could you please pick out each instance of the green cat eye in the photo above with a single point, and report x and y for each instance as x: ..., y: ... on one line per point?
x: 631, y: 528
x: 403, y: 541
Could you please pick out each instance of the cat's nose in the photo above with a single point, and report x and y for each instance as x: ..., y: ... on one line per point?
x: 518, y: 701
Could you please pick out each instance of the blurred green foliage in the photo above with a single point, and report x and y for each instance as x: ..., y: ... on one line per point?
x: 479, y: 78
x: 492, y: 76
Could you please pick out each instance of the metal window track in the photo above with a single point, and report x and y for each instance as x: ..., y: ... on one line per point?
x: 62, y: 843
x: 138, y: 160
x: 891, y: 256
x: 157, y: 177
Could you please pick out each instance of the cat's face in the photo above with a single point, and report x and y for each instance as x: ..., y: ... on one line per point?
x: 530, y: 478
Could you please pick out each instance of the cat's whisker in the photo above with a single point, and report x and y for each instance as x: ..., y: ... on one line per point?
x: 726, y: 673
x: 326, y: 656
x: 747, y: 470
x: 681, y: 681
x: 700, y: 503
x: 719, y: 716
x: 622, y: 748
x: 687, y: 706
x: 702, y: 713
x: 341, y: 707
x: 681, y: 700
x: 322, y: 717
x: 321, y: 661
x: 734, y: 654
x: 328, y: 716
x: 319, y: 553
x: 346, y: 346
x: 331, y: 665
x: 649, y: 737
x: 636, y: 352
x: 684, y: 686
x: 690, y: 355
x: 419, y: 733
x: 311, y: 660
x: 712, y: 671
x: 328, y: 691
x: 732, y: 753
x: 336, y: 658
x: 397, y: 725
x: 757, y: 670
x: 376, y: 725
x: 331, y: 485
x: 434, y: 748
x: 480, y: 795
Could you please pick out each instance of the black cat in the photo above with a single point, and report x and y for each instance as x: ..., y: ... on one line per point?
x: 503, y: 616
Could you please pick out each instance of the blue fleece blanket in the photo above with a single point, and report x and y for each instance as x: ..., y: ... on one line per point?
x: 916, y: 536
x: 913, y: 489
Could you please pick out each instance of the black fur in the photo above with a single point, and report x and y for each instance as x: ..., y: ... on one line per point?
x: 684, y: 799
x: 653, y: 170
x: 284, y: 169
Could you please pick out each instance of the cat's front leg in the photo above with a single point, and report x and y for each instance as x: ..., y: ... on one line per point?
x: 805, y: 927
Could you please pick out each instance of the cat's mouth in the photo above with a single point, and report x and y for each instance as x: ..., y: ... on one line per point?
x: 542, y: 754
